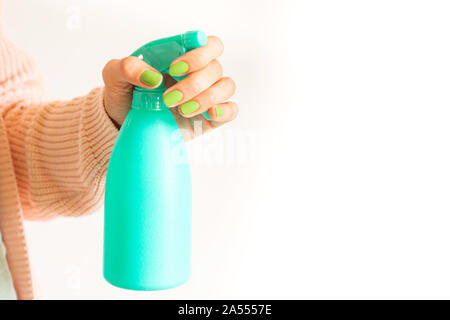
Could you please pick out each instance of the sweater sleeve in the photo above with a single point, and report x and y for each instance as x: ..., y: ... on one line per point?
x: 60, y: 152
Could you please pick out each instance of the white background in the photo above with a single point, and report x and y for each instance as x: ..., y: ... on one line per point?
x: 334, y: 181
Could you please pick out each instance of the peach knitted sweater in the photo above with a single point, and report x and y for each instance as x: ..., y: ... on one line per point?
x: 53, y: 156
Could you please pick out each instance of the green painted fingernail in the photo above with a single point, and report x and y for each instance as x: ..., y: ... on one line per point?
x: 219, y: 112
x: 178, y: 68
x: 172, y: 97
x: 150, y: 78
x: 189, y: 107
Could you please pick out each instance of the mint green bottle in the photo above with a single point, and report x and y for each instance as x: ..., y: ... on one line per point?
x: 147, y: 236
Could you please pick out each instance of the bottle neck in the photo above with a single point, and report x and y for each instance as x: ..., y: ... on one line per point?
x: 144, y: 99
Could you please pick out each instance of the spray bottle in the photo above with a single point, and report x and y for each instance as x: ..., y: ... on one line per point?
x: 147, y: 231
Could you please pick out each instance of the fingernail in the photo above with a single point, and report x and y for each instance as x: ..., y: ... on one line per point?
x: 172, y: 97
x: 189, y: 107
x: 150, y: 78
x: 178, y: 68
x: 219, y: 112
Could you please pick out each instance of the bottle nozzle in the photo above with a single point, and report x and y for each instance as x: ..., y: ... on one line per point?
x: 194, y: 39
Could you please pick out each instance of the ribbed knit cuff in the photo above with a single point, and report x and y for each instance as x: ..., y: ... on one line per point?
x: 99, y: 130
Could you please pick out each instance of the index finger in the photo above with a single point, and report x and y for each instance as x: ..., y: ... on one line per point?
x: 198, y: 58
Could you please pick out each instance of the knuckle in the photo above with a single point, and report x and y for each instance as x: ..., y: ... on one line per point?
x: 195, y: 86
x: 201, y: 57
x: 217, y: 43
x: 235, y: 110
x: 217, y: 67
x: 107, y: 68
x: 230, y: 82
x: 126, y: 65
x: 211, y: 97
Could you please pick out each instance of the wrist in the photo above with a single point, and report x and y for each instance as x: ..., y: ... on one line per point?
x: 116, y: 123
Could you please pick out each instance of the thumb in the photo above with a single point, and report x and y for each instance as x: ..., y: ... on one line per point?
x: 131, y: 70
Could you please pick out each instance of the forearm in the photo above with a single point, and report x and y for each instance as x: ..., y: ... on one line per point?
x: 60, y: 152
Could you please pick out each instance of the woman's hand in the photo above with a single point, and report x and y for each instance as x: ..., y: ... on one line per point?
x: 204, y: 89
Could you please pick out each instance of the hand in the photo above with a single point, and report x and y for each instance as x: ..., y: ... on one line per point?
x: 204, y: 89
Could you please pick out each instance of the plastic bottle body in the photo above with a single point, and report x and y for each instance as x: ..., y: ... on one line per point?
x: 148, y: 206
